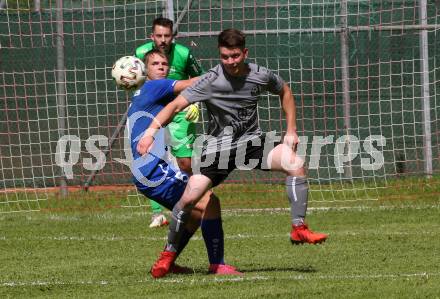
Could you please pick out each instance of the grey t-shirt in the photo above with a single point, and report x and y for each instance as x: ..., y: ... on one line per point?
x: 231, y: 103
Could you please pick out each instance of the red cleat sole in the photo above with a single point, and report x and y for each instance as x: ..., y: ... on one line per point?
x: 301, y: 234
x: 294, y: 242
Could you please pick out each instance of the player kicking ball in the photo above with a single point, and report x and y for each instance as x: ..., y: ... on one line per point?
x: 230, y: 92
x: 159, y: 179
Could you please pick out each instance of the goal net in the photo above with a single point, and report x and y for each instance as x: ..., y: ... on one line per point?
x: 365, y: 76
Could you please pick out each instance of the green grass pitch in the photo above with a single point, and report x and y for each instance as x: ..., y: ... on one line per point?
x: 376, y: 249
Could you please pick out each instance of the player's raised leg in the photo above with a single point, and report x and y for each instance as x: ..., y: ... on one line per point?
x: 283, y: 158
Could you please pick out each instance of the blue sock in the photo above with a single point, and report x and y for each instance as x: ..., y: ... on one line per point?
x: 212, y: 232
x: 184, y: 239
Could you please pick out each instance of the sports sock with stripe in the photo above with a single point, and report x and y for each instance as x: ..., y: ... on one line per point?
x: 297, y: 192
x: 179, y: 218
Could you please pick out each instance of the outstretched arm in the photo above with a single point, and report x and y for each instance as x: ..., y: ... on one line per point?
x: 182, y: 84
x: 288, y: 103
x: 161, y: 120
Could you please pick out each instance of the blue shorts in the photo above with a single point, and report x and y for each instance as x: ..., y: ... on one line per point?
x: 164, y: 183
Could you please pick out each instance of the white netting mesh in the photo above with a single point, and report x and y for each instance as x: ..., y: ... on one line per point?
x: 55, y: 81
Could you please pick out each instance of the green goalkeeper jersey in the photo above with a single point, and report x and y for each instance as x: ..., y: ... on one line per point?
x: 183, y: 65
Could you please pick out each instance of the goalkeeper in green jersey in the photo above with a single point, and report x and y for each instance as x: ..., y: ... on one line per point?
x: 183, y: 66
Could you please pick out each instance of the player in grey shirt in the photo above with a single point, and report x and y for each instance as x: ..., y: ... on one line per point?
x: 231, y: 103
x: 230, y: 92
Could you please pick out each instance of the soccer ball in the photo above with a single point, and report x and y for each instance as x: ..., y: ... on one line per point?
x: 128, y: 72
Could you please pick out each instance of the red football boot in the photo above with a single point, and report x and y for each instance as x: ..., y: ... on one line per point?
x: 220, y: 269
x: 301, y: 234
x: 163, y: 265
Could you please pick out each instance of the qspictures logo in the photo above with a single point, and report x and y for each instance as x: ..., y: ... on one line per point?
x: 345, y: 149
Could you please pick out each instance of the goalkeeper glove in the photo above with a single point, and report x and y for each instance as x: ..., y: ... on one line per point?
x: 192, y: 113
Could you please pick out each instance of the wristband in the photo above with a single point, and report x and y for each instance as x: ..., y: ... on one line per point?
x: 151, y: 132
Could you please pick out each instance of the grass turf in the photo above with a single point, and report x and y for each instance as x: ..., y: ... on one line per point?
x: 376, y: 249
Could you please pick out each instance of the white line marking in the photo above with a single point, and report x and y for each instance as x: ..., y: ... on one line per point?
x: 226, y: 212
x: 363, y: 232
x: 325, y: 209
x: 195, y: 279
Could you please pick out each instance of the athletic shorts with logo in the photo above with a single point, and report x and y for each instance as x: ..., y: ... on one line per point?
x: 163, y: 183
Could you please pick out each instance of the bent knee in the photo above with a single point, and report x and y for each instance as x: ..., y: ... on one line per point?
x: 299, y: 172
